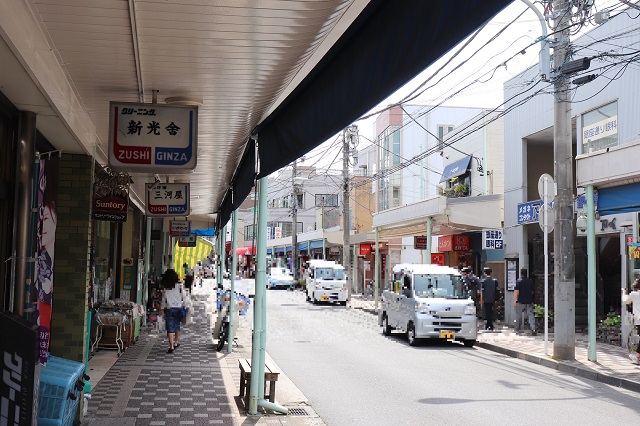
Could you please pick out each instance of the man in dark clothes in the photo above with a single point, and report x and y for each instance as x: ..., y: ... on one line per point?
x: 488, y: 296
x: 472, y: 285
x: 523, y: 301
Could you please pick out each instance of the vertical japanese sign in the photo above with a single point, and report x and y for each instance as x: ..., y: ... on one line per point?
x: 47, y: 220
x: 167, y: 199
x: 152, y: 138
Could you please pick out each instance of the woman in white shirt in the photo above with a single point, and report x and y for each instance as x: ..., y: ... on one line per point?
x: 634, y: 297
x: 172, y: 303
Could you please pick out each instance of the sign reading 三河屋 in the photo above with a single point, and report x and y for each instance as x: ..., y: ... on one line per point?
x: 152, y: 138
x: 492, y: 239
x: 167, y: 199
x: 179, y: 228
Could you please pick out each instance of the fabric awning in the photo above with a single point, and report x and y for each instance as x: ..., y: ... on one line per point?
x: 619, y: 199
x: 279, y: 250
x: 455, y: 169
x: 190, y: 255
x: 245, y: 251
x: 315, y: 244
x: 371, y: 60
x: 303, y: 246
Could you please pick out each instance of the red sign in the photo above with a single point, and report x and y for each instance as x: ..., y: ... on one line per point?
x: 383, y: 266
x: 437, y: 259
x: 365, y: 249
x: 453, y: 243
x: 420, y: 243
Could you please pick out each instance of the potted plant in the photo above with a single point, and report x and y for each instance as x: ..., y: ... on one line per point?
x: 538, y: 313
x: 609, y: 329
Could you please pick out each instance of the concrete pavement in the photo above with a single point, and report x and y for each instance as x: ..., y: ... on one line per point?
x: 612, y: 366
x: 196, y: 385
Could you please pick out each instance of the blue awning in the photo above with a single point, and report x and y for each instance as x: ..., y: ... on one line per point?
x: 455, y: 169
x: 207, y: 232
x: 279, y: 249
x: 269, y: 250
x: 303, y: 246
x: 316, y: 244
x: 289, y: 248
x: 619, y: 199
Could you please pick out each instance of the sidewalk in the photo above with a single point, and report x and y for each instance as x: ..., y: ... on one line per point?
x: 612, y: 366
x: 195, y: 385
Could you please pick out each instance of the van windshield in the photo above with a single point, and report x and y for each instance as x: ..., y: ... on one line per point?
x: 329, y: 274
x: 444, y: 286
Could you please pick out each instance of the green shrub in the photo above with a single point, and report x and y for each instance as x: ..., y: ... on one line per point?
x: 612, y: 320
x: 538, y: 312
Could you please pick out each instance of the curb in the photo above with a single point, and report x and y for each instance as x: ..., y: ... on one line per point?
x: 564, y: 367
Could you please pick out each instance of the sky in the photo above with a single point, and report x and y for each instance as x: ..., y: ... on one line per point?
x: 494, y: 56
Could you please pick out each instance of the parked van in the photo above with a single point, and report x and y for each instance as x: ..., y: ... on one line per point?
x: 428, y: 302
x: 326, y: 282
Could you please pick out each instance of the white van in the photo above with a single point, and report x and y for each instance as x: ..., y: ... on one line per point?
x: 428, y: 302
x: 326, y: 282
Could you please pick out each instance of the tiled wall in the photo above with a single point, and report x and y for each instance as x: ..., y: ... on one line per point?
x: 71, y: 265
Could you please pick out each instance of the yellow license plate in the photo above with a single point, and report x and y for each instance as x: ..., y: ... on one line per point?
x: 324, y: 297
x: 447, y: 334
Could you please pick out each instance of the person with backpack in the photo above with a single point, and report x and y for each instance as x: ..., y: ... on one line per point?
x: 488, y: 297
x: 523, y: 297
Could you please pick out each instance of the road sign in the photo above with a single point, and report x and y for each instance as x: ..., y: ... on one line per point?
x: 152, y: 138
x: 167, y: 199
x: 546, y: 188
x: 546, y: 211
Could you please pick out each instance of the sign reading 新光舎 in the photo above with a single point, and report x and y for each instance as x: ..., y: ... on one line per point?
x: 167, y: 199
x: 152, y: 138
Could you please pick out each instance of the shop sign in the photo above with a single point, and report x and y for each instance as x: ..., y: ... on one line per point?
x: 111, y: 197
x: 365, y: 249
x: 128, y: 276
x: 437, y: 259
x: 188, y: 241
x: 528, y: 212
x: 152, y: 138
x: 601, y: 129
x: 383, y: 267
x: 334, y: 250
x: 277, y: 232
x: 453, y: 243
x: 634, y: 251
x: 420, y: 242
x: 179, y: 228
x: 492, y: 239
x: 167, y: 199
x: 111, y: 209
x: 20, y: 371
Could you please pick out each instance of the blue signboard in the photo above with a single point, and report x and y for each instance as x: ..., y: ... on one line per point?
x: 528, y: 212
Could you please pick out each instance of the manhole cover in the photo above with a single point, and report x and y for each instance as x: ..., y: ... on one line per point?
x: 297, y: 411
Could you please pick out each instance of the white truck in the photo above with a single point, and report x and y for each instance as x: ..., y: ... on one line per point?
x: 326, y: 282
x: 428, y: 302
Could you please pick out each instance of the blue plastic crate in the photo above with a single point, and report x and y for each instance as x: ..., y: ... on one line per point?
x: 59, y: 396
x: 75, y: 368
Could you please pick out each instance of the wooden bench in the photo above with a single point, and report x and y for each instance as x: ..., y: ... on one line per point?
x: 270, y: 375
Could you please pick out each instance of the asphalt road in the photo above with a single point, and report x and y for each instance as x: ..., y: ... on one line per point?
x: 353, y: 375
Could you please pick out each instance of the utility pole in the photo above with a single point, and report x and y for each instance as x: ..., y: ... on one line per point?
x: 294, y: 220
x: 346, y: 261
x: 564, y: 263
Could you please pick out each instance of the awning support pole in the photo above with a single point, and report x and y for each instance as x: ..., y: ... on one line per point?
x: 234, y: 262
x: 591, y: 272
x: 377, y: 269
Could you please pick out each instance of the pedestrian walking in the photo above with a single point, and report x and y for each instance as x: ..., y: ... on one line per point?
x: 188, y: 277
x: 172, y: 304
x: 488, y: 296
x: 634, y: 298
x: 197, y: 273
x: 523, y: 297
x: 472, y: 285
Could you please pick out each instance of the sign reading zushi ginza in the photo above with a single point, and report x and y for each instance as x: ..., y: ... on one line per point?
x: 167, y: 199
x: 152, y: 137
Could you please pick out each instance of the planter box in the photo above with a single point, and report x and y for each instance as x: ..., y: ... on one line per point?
x: 611, y: 335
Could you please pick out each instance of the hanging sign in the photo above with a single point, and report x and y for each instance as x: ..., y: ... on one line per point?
x: 188, y: 241
x: 437, y: 259
x: 152, y: 138
x: 179, y: 228
x: 634, y: 251
x: 365, y: 249
x: 167, y: 199
x: 453, y: 243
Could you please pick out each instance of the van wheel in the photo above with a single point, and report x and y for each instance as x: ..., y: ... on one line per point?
x: 315, y: 302
x: 411, y: 335
x: 308, y: 298
x: 469, y: 343
x: 386, y: 328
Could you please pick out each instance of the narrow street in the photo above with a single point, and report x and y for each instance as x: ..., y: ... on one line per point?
x: 352, y: 374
